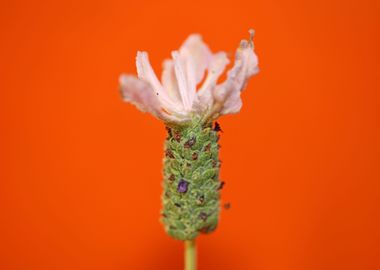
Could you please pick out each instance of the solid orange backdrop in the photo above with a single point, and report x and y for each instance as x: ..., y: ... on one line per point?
x: 80, y: 173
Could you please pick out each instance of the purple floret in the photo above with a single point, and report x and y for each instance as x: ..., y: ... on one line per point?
x: 182, y: 186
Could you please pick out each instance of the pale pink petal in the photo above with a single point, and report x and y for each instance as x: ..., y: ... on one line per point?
x: 184, y: 80
x: 199, y: 52
x: 191, y: 80
x: 146, y: 73
x: 217, y: 65
x: 169, y: 80
x: 228, y: 93
x: 250, y: 58
x: 194, y: 57
x: 233, y: 104
x: 139, y: 93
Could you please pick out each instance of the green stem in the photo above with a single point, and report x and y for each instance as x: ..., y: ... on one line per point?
x: 190, y: 255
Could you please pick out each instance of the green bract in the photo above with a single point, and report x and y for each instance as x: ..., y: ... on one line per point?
x: 191, y: 196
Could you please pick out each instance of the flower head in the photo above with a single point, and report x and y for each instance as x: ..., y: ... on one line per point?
x: 178, y: 97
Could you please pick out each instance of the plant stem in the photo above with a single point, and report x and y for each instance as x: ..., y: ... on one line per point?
x: 190, y: 255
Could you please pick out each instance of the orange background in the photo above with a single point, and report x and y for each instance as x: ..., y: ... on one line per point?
x: 81, y: 170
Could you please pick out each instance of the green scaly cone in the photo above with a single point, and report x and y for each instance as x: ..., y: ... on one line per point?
x: 191, y: 195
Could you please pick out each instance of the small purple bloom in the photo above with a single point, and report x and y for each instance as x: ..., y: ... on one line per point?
x: 182, y: 186
x: 190, y: 142
x: 203, y: 216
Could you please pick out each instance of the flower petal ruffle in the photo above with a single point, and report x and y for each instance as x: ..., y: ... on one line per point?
x: 227, y: 94
x: 175, y: 98
x: 140, y: 93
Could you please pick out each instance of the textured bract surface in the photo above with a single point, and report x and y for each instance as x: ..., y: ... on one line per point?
x: 191, y: 180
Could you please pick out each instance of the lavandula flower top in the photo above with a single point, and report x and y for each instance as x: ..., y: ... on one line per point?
x: 178, y: 98
x: 191, y: 197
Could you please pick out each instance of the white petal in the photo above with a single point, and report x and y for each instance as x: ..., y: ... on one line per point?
x: 184, y: 80
x: 199, y: 52
x: 250, y: 58
x: 228, y: 93
x: 233, y: 104
x: 217, y: 65
x: 139, y: 93
x: 191, y: 80
x: 146, y: 73
x: 169, y: 81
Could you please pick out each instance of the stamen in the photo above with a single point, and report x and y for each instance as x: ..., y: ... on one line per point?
x: 251, y: 35
x: 245, y: 43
